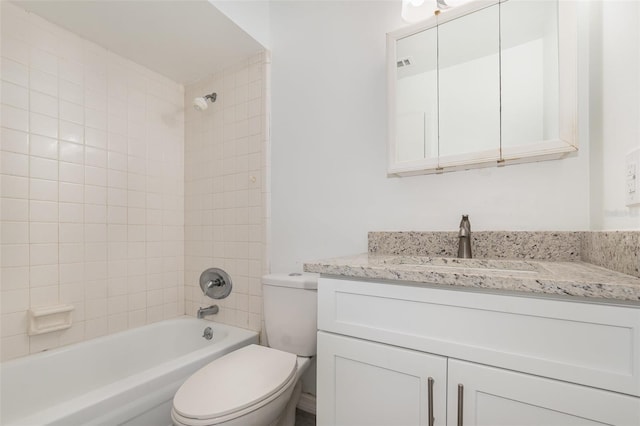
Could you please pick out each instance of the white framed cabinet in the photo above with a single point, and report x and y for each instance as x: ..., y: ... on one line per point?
x: 369, y: 383
x: 488, y: 396
x: 404, y: 355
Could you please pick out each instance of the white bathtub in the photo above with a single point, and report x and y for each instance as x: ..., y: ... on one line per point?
x: 125, y: 378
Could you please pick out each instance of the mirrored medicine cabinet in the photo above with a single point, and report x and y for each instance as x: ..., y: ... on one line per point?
x: 487, y: 83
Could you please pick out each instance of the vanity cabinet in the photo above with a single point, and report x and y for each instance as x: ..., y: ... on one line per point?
x: 497, y: 397
x: 370, y: 383
x: 496, y: 359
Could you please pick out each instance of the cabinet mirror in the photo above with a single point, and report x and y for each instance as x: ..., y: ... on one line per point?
x: 487, y: 83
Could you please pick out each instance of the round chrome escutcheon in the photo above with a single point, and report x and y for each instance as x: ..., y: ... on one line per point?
x: 215, y: 283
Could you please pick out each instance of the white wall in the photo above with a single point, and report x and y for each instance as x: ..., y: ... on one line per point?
x: 329, y: 184
x: 92, y: 186
x: 614, y: 109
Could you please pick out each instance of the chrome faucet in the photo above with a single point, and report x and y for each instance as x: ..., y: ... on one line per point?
x: 464, y: 238
x: 211, y: 310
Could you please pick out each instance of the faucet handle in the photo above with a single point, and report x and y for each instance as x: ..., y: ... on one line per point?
x: 215, y: 283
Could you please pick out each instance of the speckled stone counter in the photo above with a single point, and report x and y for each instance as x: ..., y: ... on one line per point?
x: 558, y: 246
x: 541, y: 277
x: 615, y: 250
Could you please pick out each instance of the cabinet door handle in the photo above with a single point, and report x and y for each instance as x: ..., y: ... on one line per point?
x: 430, y: 385
x: 460, y: 403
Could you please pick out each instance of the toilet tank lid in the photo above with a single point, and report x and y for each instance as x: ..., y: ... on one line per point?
x: 304, y: 281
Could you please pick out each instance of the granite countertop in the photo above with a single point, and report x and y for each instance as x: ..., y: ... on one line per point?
x: 572, y: 278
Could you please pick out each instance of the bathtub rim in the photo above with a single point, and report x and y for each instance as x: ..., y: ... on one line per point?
x: 78, y: 404
x: 47, y: 353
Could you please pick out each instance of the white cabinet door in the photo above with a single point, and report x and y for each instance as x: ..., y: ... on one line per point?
x: 496, y: 397
x: 366, y: 383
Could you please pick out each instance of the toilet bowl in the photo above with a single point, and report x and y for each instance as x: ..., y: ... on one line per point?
x: 258, y: 385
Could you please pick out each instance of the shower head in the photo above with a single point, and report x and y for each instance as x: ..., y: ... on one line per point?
x: 200, y: 104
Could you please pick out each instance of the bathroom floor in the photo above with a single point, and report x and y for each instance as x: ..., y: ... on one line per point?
x: 305, y: 419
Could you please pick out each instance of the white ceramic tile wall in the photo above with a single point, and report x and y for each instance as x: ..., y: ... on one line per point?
x: 226, y: 189
x: 92, y: 186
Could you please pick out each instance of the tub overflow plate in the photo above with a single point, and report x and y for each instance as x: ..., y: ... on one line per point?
x: 208, y: 333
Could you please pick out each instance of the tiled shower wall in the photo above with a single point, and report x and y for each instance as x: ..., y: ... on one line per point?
x: 226, y: 189
x: 92, y: 186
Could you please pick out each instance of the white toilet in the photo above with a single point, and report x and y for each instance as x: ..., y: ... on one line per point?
x: 257, y: 385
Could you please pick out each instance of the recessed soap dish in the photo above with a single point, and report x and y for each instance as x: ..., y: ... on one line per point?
x: 47, y: 319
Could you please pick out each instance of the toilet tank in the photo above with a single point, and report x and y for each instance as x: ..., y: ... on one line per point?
x: 291, y: 312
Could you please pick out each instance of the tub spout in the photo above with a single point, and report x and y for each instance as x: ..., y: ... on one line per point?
x: 211, y: 310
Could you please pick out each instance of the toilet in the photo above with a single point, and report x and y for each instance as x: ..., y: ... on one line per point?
x: 257, y: 385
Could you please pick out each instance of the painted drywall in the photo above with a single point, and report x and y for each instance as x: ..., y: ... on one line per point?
x: 614, y: 110
x: 329, y: 183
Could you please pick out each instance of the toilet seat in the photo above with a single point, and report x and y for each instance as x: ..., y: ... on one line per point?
x: 234, y: 384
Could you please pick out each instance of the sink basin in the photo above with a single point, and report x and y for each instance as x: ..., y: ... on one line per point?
x: 496, y: 265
